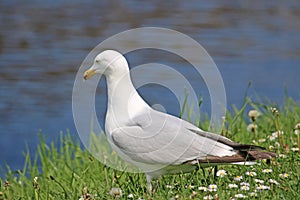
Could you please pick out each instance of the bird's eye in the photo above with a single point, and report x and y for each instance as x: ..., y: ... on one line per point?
x: 97, y: 61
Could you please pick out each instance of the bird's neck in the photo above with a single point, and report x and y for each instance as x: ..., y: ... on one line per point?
x: 124, y: 102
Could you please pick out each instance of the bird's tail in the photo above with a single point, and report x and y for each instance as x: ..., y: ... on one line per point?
x: 242, y: 157
x: 259, y: 155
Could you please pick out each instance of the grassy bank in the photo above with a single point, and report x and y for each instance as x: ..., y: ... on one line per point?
x: 65, y: 171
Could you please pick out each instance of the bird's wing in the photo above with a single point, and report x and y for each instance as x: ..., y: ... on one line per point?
x: 159, y: 138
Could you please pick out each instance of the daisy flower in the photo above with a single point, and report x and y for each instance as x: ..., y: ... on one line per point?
x: 271, y: 148
x: 201, y: 188
x: 169, y: 186
x: 240, y: 196
x: 263, y: 187
x: 245, y: 187
x: 245, y: 184
x: 207, y: 197
x: 273, y: 181
x: 251, y: 174
x: 282, y: 156
x: 297, y: 129
x: 284, y: 175
x: 116, y: 192
x: 272, y: 138
x: 275, y: 134
x: 238, y: 178
x: 252, y: 194
x: 251, y: 127
x: 212, y: 188
x: 191, y: 187
x: 261, y: 140
x: 253, y: 114
x: 193, y: 195
x: 221, y: 173
x: 232, y: 185
x: 274, y: 110
x: 266, y: 171
x: 259, y: 181
x: 295, y: 149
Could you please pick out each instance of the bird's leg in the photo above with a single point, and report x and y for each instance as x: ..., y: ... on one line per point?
x: 155, y: 186
x: 149, y: 179
x: 152, y: 189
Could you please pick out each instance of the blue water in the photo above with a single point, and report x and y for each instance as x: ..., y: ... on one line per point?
x: 43, y: 43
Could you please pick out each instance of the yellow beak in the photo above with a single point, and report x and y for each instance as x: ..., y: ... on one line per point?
x: 89, y: 73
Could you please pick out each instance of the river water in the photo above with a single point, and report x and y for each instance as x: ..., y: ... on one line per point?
x: 43, y: 43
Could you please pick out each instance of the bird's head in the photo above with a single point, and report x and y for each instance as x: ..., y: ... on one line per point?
x: 108, y: 62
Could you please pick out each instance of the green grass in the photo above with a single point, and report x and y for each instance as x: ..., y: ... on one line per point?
x: 65, y: 171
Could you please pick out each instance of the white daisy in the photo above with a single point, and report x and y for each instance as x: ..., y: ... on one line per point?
x: 245, y: 187
x: 202, y: 188
x: 240, y: 196
x: 253, y: 114
x: 232, y: 185
x: 245, y: 184
x: 191, y: 187
x: 295, y: 149
x: 273, y: 181
x: 284, y: 175
x: 116, y: 192
x: 208, y: 197
x: 259, y: 181
x: 274, y: 110
x: 212, y: 188
x: 193, y: 195
x: 252, y: 194
x: 251, y: 174
x: 266, y: 171
x: 271, y: 148
x: 297, y: 126
x: 221, y: 173
x: 263, y: 187
x: 272, y: 138
x: 275, y: 134
x: 261, y: 140
x: 251, y: 127
x: 282, y: 156
x: 238, y: 178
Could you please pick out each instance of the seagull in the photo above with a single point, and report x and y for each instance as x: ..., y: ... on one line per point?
x: 156, y: 142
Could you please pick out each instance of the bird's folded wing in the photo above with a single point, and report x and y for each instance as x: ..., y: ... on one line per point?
x: 159, y: 138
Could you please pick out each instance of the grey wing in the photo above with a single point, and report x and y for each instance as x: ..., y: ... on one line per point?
x: 159, y: 138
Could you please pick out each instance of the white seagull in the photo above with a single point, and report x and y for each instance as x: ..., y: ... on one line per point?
x: 156, y: 142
